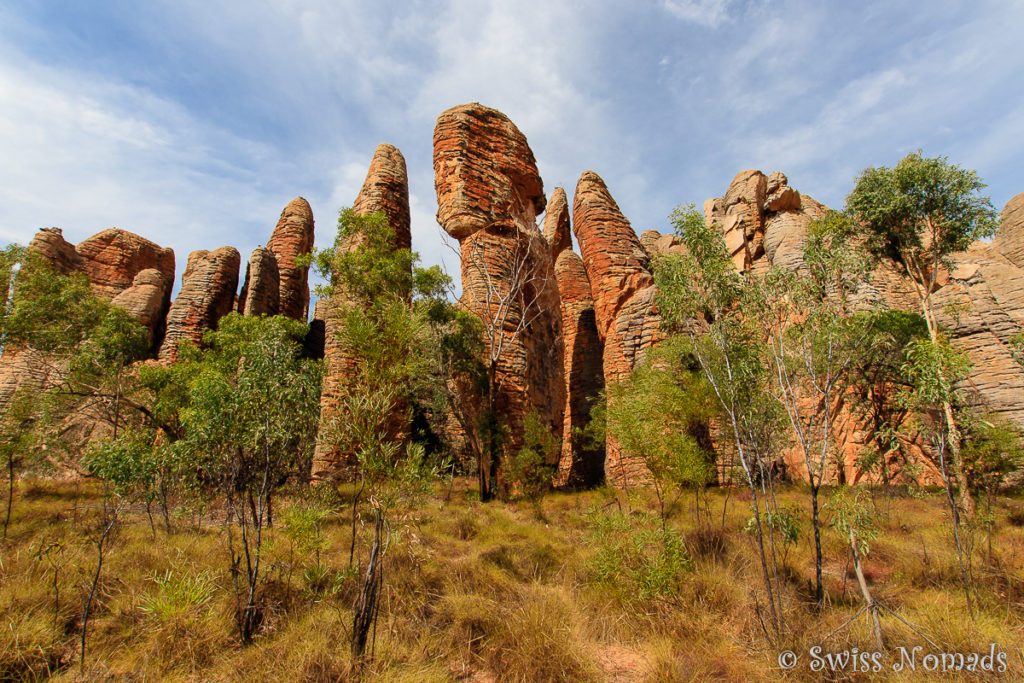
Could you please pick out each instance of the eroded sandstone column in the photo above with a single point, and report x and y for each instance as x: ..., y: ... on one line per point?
x: 293, y: 237
x: 207, y: 294
x: 489, y: 194
x: 623, y: 290
x: 386, y: 189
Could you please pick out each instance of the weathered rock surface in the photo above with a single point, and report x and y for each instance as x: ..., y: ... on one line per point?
x: 489, y: 194
x: 293, y: 237
x: 112, y: 258
x: 386, y: 189
x: 624, y: 291
x: 207, y: 294
x: 146, y: 300
x: 584, y: 372
x: 261, y: 292
x: 988, y: 290
x: 50, y: 243
x: 557, y: 227
x: 1009, y: 240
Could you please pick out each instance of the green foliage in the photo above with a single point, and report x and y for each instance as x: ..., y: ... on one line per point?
x: 659, y: 414
x: 132, y: 463
x: 178, y: 595
x: 850, y: 509
x: 922, y: 208
x: 302, y: 524
x: 636, y: 561
x: 1017, y: 347
x: 932, y: 370
x: 992, y: 451
x: 784, y: 521
x: 253, y: 402
x: 531, y: 470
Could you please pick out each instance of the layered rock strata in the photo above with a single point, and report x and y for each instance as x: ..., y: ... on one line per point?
x: 207, y: 294
x: 261, y: 291
x: 624, y: 301
x: 293, y: 237
x: 489, y: 194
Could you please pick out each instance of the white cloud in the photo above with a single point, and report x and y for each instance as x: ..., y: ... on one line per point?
x: 710, y: 13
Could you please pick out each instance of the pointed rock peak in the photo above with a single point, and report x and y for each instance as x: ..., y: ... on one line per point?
x: 556, y: 223
x: 386, y: 189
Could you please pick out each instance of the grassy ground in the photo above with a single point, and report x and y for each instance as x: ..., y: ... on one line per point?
x: 569, y: 590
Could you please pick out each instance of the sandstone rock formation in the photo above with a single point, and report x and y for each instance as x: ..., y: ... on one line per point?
x: 261, y: 292
x: 386, y: 189
x: 113, y: 260
x: 489, y: 194
x: 207, y: 294
x: 557, y: 227
x: 146, y: 299
x: 293, y: 237
x: 624, y: 291
x: 584, y: 372
x: 1009, y: 240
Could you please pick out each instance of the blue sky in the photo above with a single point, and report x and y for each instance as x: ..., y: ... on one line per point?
x: 194, y: 123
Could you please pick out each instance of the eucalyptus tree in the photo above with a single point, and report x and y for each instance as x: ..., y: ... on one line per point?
x: 919, y: 213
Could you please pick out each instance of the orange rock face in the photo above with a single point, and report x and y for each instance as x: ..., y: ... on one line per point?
x: 293, y: 237
x: 623, y: 289
x: 489, y: 194
x: 584, y: 372
x: 557, y: 227
x: 1009, y: 240
x: 146, y: 300
x: 386, y: 189
x: 113, y: 258
x: 261, y: 292
x: 581, y: 364
x: 207, y: 294
x: 113, y: 261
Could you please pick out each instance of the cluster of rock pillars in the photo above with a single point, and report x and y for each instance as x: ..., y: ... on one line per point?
x: 592, y: 315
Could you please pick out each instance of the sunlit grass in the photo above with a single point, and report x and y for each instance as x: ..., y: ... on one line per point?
x: 501, y: 591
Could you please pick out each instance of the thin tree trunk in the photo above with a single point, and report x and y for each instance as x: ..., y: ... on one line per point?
x: 870, y: 601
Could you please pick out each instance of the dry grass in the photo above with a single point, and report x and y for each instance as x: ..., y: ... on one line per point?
x: 499, y: 592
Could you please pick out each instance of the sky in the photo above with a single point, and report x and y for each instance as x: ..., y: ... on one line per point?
x: 194, y: 123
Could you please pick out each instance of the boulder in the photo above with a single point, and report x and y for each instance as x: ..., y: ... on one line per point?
x: 146, y: 300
